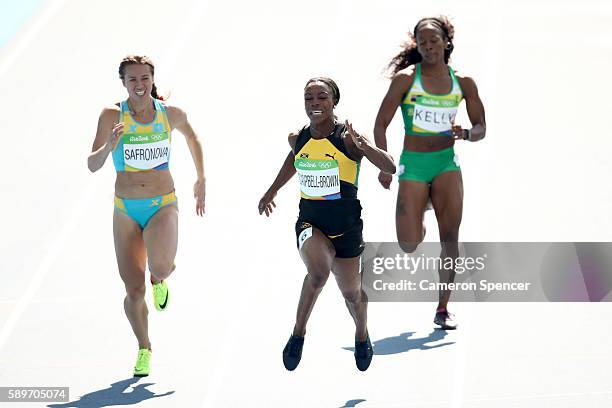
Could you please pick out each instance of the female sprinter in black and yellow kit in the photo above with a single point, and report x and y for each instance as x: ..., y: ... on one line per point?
x: 327, y: 155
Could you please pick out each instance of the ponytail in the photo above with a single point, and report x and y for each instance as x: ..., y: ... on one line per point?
x: 409, y: 55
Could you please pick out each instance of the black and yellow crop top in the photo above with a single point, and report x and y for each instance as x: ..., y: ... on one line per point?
x: 326, y: 170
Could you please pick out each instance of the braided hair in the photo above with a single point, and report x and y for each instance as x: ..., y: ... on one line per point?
x: 140, y: 60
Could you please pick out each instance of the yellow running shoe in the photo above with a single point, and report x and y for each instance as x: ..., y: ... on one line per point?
x: 142, y: 363
x: 161, y: 295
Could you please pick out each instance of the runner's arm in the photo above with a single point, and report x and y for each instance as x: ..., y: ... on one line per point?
x: 107, y: 136
x: 399, y: 86
x: 475, y: 109
x: 286, y: 172
x: 181, y: 123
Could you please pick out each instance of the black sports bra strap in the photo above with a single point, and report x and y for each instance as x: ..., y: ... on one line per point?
x: 301, y: 139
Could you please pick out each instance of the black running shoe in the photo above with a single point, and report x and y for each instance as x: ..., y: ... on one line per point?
x: 292, y: 354
x: 445, y: 320
x: 363, y: 353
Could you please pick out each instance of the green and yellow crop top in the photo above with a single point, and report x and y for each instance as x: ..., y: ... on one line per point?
x: 429, y: 114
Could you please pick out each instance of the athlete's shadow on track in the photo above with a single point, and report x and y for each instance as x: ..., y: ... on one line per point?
x: 404, y: 343
x: 114, y: 395
x: 352, y: 403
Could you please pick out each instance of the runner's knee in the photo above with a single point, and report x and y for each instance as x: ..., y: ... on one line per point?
x: 161, y: 269
x: 408, y: 247
x: 135, y: 292
x: 449, y: 235
x: 352, y: 296
x: 317, y: 278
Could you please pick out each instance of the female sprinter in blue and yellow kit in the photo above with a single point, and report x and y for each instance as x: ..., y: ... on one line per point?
x: 327, y: 156
x: 137, y: 132
x: 428, y: 91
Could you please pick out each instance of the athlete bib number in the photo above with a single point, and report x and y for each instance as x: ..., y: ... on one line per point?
x: 146, y: 151
x: 304, y: 235
x: 319, y: 179
x: 433, y: 114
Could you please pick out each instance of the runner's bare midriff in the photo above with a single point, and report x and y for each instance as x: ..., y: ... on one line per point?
x: 143, y: 184
x: 427, y: 143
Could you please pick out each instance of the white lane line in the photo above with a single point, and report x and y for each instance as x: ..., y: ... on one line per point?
x: 54, y: 249
x: 88, y: 192
x: 222, y: 364
x: 74, y: 299
x: 461, y: 354
x: 461, y: 357
x: 186, y: 31
x: 507, y: 398
x: 532, y: 397
x: 39, y: 22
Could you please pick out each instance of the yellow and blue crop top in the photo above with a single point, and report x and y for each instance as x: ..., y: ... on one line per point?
x: 143, y: 146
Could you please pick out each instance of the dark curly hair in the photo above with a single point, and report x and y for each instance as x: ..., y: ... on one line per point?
x: 410, y: 55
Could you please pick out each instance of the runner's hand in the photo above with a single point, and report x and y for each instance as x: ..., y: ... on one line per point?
x: 360, y: 141
x: 456, y: 131
x: 116, y: 135
x: 199, y: 193
x: 266, y: 204
x: 385, y: 179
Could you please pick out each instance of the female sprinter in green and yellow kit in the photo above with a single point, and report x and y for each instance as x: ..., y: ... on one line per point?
x: 137, y: 132
x: 327, y: 155
x: 429, y: 91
